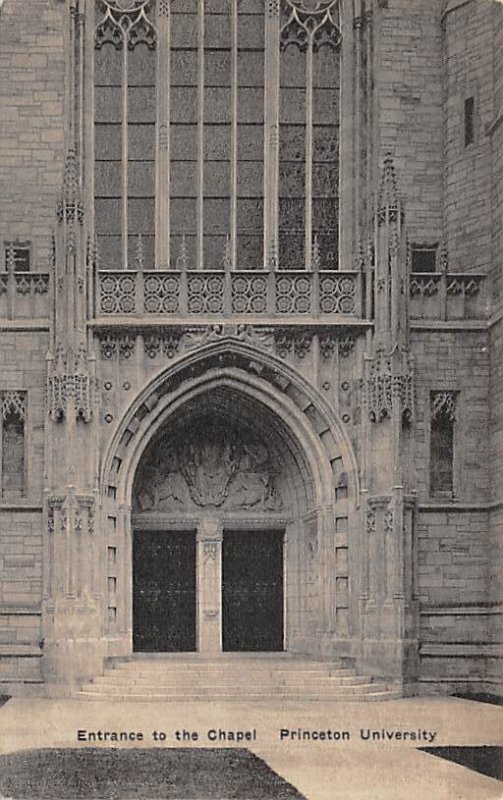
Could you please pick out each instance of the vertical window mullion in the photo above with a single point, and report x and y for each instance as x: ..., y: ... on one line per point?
x: 271, y: 134
x: 200, y: 138
x: 234, y: 132
x: 309, y: 155
x: 162, y: 182
x: 124, y: 151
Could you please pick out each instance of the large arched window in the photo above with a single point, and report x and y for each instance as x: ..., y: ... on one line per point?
x: 216, y: 133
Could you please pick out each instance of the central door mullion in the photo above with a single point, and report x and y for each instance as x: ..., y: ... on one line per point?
x: 209, y: 582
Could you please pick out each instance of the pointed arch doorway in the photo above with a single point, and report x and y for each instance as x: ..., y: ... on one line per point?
x: 220, y: 498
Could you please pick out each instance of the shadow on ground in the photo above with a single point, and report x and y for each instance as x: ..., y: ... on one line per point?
x: 486, y: 760
x: 113, y: 774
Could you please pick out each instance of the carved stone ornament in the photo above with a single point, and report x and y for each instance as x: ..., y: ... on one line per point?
x: 214, y: 468
x: 310, y: 24
x: 388, y: 520
x: 70, y: 208
x: 443, y: 404
x: 167, y: 343
x: 125, y: 21
x: 13, y: 403
x: 371, y: 522
x: 343, y: 340
x: 262, y: 337
x: 210, y: 551
x: 389, y: 202
x: 70, y: 386
x: 389, y: 380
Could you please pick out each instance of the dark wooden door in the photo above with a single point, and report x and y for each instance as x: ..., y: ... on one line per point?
x: 252, y: 590
x: 164, y: 591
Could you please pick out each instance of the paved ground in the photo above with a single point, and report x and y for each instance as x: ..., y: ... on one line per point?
x: 336, y: 768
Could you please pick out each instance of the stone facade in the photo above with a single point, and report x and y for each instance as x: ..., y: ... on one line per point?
x: 324, y: 377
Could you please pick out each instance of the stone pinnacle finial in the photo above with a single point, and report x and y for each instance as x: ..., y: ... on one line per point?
x: 70, y: 206
x: 389, y: 196
x: 388, y: 191
x: 71, y: 178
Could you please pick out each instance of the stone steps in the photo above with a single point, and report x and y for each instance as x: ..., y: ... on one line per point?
x: 378, y: 696
x: 216, y: 690
x: 247, y: 679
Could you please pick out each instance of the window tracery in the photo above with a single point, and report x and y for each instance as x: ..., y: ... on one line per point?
x: 311, y: 23
x: 12, y: 439
x: 125, y: 21
x: 183, y: 163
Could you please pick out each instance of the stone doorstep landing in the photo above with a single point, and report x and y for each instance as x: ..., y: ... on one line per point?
x: 241, y: 676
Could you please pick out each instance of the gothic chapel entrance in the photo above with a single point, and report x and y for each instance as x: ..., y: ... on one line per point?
x: 216, y: 532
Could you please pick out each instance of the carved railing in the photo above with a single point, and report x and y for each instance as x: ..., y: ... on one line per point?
x: 24, y: 295
x: 214, y: 294
x: 448, y: 296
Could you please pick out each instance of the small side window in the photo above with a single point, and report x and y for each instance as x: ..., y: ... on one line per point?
x: 13, y: 406
x: 18, y: 256
x: 423, y: 257
x: 469, y: 121
x: 443, y: 418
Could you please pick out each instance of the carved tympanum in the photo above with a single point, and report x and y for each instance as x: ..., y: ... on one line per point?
x: 206, y: 467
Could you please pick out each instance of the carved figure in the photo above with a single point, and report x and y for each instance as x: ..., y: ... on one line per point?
x: 216, y: 470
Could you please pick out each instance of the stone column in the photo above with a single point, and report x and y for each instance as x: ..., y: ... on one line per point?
x: 209, y: 585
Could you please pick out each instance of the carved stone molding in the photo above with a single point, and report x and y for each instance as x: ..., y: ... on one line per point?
x: 125, y: 21
x: 70, y: 387
x: 114, y: 343
x: 13, y: 403
x: 311, y: 23
x: 371, y: 523
x: 218, y: 467
x: 70, y: 513
x: 302, y: 344
x: 388, y: 202
x: 286, y: 340
x: 388, y: 520
x: 70, y: 208
x: 210, y: 551
x: 389, y: 382
x: 343, y: 340
x: 167, y: 344
x: 443, y: 404
x: 283, y: 342
x: 262, y: 337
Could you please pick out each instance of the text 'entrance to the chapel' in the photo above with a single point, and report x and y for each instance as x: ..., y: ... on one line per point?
x: 252, y: 590
x: 164, y: 591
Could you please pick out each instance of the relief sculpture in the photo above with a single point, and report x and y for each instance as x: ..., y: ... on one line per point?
x: 217, y: 470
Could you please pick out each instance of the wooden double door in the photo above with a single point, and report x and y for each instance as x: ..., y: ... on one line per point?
x: 165, y: 589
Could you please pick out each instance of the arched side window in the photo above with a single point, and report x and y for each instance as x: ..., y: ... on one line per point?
x: 189, y: 107
x: 12, y: 439
x: 443, y: 418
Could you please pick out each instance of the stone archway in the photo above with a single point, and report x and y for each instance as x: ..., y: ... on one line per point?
x: 302, y: 485
x: 222, y: 474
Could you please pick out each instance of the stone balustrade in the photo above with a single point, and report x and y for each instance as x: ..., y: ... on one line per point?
x: 24, y: 295
x: 213, y: 293
x: 448, y: 296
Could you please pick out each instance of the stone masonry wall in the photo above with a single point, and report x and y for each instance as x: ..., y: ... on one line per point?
x: 32, y: 75
x: 458, y: 361
x: 467, y: 52
x: 452, y: 536
x: 22, y: 355
x: 409, y: 98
